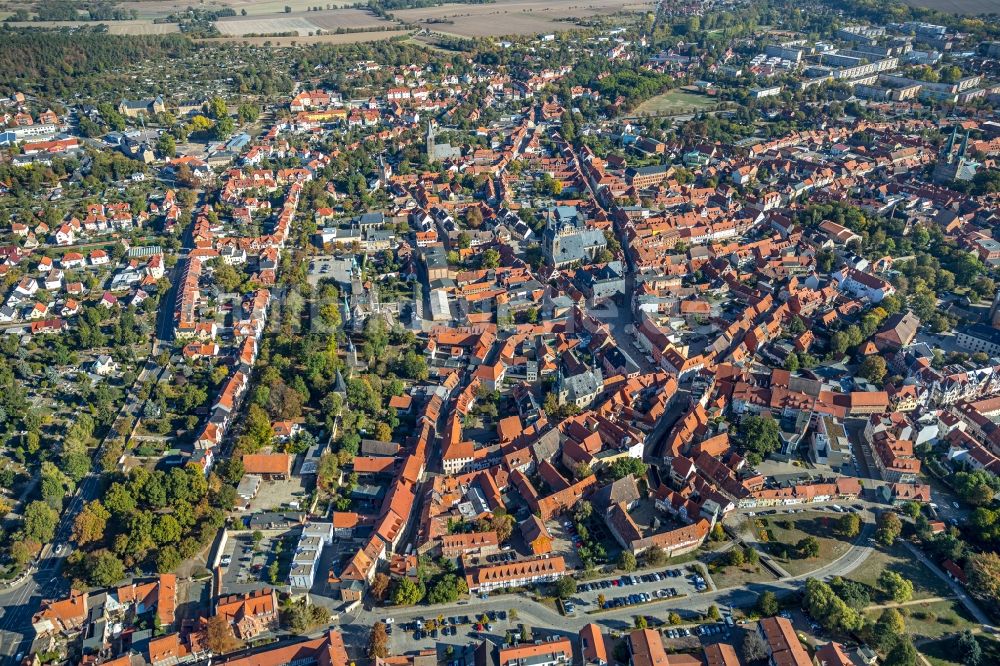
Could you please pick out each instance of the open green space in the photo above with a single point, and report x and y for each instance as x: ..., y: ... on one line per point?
x: 784, y: 532
x: 674, y: 102
x: 899, y: 560
x: 932, y: 619
x: 943, y: 652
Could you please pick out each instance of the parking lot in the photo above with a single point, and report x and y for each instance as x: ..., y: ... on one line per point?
x: 425, y: 633
x: 280, y: 495
x: 634, y: 590
x: 244, y: 566
x: 327, y: 266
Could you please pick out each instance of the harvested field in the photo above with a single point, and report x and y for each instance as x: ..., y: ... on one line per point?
x: 512, y: 17
x: 970, y: 7
x: 153, y: 8
x: 303, y: 22
x: 137, y: 27
x: 346, y: 38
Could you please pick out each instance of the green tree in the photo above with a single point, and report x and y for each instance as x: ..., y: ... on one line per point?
x: 565, y: 587
x: 103, y: 568
x: 622, y: 467
x: 248, y: 113
x: 808, y: 547
x: 888, y: 528
x: 40, y: 522
x: 888, y: 629
x: 873, y: 368
x: 166, y: 145
x: 626, y: 561
x: 896, y: 587
x: 767, y: 604
x: 968, y: 649
x: 758, y: 436
x: 407, y: 593
x: 904, y: 654
x: 849, y: 525
x: 713, y: 613
x: 217, y: 108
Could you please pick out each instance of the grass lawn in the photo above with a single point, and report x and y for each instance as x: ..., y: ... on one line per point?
x: 898, y: 559
x: 811, y: 523
x: 674, y: 102
x: 942, y: 652
x: 933, y: 619
x: 740, y: 576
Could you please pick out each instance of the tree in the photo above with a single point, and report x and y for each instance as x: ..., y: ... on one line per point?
x: 490, y: 259
x: 873, y: 368
x: 655, y: 556
x: 983, y: 573
x: 378, y: 642
x: 735, y: 557
x: 888, y: 528
x: 830, y: 610
x: 91, y: 523
x: 40, y: 521
x: 849, y: 525
x: 896, y: 587
x: 447, y: 589
x: 565, y: 587
x: 406, y: 593
x: 751, y: 555
x: 166, y: 145
x: 754, y: 647
x: 103, y: 568
x: 808, y: 547
x: 968, y: 649
x: 888, y: 629
x: 758, y: 436
x: 622, y: 467
x: 640, y: 622
x: 380, y: 586
x: 713, y: 613
x: 219, y: 637
x: 904, y: 654
x: 474, y: 217
x: 224, y: 128
x: 248, y: 113
x: 626, y: 561
x: 767, y: 604
x: 217, y: 108
x: 674, y: 618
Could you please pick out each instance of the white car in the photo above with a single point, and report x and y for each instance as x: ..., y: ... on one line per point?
x: 388, y: 620
x: 59, y: 548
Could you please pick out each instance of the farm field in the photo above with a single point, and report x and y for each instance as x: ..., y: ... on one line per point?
x: 971, y: 7
x: 136, y: 27
x: 154, y: 8
x: 674, y: 102
x: 302, y: 22
x: 346, y: 38
x: 513, y: 17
